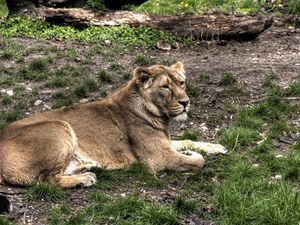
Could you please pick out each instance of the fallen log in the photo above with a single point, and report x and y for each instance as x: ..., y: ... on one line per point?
x: 204, y: 27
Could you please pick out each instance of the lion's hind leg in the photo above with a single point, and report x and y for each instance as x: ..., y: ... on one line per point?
x: 44, y: 150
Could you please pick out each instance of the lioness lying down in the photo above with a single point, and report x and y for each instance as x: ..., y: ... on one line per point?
x: 132, y: 124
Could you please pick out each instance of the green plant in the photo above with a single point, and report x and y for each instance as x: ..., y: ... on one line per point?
x: 7, y: 54
x: 294, y: 6
x: 192, y: 134
x: 254, y: 201
x: 293, y: 89
x: 142, y: 60
x: 58, y: 81
x: 116, y: 67
x: 227, y: 79
x: 5, y: 221
x: 214, y: 118
x: 95, y: 4
x: 45, y: 191
x: 59, y: 215
x: 157, y: 215
x: 105, y: 77
x: 192, y: 90
x: 127, y: 75
x: 11, y: 116
x: 38, y: 65
x: 61, y: 99
x: 123, y: 36
x: 3, y: 9
x: 237, y: 137
x: 82, y: 89
x: 183, y: 205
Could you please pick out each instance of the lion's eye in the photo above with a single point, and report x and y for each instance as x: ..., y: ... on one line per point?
x: 165, y: 86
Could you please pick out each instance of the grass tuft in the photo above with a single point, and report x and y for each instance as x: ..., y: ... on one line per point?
x: 192, y: 134
x: 158, y: 215
x: 45, y: 191
x: 142, y: 60
x: 5, y: 221
x: 61, y: 99
x: 105, y: 77
x: 183, y: 205
x: 88, y: 85
x: 227, y: 79
x: 238, y: 137
x: 38, y: 65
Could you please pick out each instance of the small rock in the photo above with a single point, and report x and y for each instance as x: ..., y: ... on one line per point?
x: 107, y: 42
x: 29, y: 89
x: 279, y: 156
x: 278, y: 177
x: 84, y: 100
x: 10, y: 92
x: 3, y: 91
x: 47, y: 106
x: 38, y: 102
x: 255, y: 165
x: 77, y: 59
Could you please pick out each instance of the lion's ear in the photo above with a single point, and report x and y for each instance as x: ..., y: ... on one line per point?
x: 178, y: 67
x: 143, y: 78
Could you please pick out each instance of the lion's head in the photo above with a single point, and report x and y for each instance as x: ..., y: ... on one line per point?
x: 163, y: 90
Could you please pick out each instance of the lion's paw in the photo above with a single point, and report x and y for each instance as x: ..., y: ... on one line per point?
x: 214, y: 149
x: 87, y: 179
x: 192, y: 153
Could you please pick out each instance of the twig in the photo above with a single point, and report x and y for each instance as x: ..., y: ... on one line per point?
x: 236, y: 141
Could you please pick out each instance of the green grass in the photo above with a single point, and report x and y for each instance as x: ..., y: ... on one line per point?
x: 61, y: 99
x: 192, y: 134
x: 196, y: 7
x: 184, y: 205
x: 124, y: 35
x: 192, y: 90
x: 116, y: 67
x: 292, y: 90
x: 105, y: 77
x: 5, y: 221
x: 3, y: 9
x: 137, y: 171
x: 255, y: 201
x: 227, y: 79
x: 45, y: 191
x: 143, y: 60
x: 238, y: 137
x: 294, y: 6
x: 214, y: 119
x: 38, y: 65
x: 117, y: 210
x: 85, y: 87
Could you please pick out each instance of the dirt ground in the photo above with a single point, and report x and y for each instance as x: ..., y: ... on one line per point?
x: 275, y: 51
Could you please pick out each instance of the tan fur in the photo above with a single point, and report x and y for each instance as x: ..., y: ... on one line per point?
x: 132, y: 124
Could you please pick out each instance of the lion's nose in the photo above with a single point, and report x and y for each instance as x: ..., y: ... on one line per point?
x: 184, y: 102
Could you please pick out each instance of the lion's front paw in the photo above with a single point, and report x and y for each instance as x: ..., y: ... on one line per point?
x: 213, y: 149
x: 192, y: 154
x: 87, y: 179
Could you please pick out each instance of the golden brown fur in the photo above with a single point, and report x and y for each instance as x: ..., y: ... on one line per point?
x: 131, y: 124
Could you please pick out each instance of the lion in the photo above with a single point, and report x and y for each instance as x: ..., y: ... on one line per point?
x: 131, y: 124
